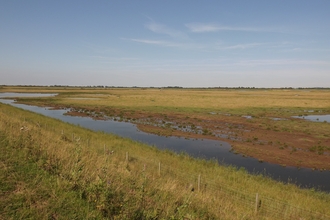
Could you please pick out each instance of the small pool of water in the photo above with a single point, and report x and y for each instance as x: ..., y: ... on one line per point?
x: 316, y: 118
x: 278, y: 119
x: 13, y: 94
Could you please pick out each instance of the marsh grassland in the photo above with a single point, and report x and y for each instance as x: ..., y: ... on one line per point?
x: 54, y: 170
x: 256, y: 122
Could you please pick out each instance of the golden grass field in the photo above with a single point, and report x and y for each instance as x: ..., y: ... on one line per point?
x: 192, y: 98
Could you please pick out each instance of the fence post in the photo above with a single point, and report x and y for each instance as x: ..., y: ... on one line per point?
x: 257, y: 204
x: 199, y: 183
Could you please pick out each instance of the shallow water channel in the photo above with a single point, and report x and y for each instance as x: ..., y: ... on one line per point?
x: 206, y: 149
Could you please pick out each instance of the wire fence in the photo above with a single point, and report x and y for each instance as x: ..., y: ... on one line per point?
x: 257, y: 203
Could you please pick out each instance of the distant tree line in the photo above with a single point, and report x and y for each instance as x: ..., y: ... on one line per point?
x: 166, y: 87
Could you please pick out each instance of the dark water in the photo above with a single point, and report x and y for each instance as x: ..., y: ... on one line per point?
x: 206, y: 149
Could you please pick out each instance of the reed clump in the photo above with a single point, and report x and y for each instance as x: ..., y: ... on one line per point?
x: 51, y: 169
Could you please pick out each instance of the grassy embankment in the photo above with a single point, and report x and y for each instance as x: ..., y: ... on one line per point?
x: 50, y: 169
x: 214, y: 114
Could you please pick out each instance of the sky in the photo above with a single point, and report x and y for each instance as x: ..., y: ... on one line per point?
x: 187, y: 43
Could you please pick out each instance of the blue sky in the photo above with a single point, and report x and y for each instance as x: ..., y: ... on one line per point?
x: 166, y: 43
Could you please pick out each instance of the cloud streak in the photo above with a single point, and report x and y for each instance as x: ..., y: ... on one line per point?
x: 145, y: 41
x: 157, y: 42
x: 242, y: 46
x: 167, y: 43
x: 162, y: 29
x: 202, y: 28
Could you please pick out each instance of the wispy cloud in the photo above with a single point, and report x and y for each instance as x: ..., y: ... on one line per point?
x: 273, y: 46
x: 242, y: 46
x: 201, y: 28
x: 145, y: 41
x: 182, y: 45
x: 163, y: 29
x: 158, y: 42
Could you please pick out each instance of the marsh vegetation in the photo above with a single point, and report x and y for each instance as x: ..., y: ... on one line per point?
x: 256, y: 122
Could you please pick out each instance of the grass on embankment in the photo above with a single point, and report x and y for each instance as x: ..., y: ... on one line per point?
x: 50, y: 169
x: 28, y: 192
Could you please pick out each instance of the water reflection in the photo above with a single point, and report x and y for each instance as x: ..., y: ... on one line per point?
x: 13, y: 94
x: 206, y: 149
